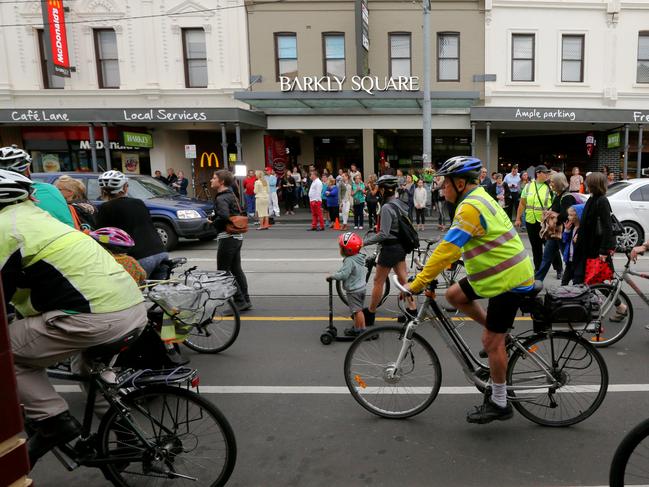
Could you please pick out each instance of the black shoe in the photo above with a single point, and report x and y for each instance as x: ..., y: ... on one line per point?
x: 245, y: 306
x: 311, y: 229
x: 320, y: 230
x: 488, y: 412
x: 369, y: 317
x: 175, y: 357
x: 352, y: 332
x: 410, y: 314
x: 51, y: 432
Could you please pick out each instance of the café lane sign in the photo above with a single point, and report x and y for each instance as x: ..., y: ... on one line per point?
x: 367, y: 84
x: 584, y: 115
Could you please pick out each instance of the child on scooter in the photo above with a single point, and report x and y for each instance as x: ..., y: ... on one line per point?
x: 352, y: 275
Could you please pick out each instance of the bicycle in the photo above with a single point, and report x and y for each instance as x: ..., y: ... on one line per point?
x: 420, y: 256
x: 554, y: 378
x: 611, y: 295
x: 212, y: 333
x: 153, y: 430
x: 629, y: 465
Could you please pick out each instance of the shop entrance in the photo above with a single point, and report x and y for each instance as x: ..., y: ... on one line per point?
x: 334, y: 152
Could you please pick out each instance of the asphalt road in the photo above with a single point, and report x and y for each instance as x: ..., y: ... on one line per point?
x: 296, y: 425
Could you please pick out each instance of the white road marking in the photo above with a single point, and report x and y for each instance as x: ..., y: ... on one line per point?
x: 252, y: 259
x: 449, y: 390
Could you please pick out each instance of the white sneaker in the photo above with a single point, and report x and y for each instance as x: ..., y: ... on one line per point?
x: 360, y: 228
x: 355, y: 228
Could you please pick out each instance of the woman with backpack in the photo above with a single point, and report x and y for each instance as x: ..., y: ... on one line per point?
x: 392, y: 254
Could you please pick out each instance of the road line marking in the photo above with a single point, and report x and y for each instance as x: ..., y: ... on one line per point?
x: 252, y: 259
x: 337, y: 390
x: 340, y: 318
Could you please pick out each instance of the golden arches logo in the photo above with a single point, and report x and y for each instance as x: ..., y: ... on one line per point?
x: 205, y: 157
x: 55, y: 3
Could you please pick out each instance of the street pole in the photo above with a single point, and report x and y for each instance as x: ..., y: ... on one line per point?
x: 640, y: 147
x: 109, y: 164
x: 626, y: 151
x: 426, y: 113
x: 93, y: 148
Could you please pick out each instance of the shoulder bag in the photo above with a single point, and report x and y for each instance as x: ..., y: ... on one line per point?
x: 237, y: 224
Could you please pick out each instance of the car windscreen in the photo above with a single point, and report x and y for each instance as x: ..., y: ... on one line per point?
x: 616, y: 188
x: 145, y: 188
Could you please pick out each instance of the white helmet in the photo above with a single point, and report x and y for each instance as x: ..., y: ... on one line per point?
x: 14, y: 187
x: 113, y: 181
x: 14, y: 158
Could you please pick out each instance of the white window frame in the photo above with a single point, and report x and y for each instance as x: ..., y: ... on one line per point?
x: 508, y: 59
x: 558, y: 68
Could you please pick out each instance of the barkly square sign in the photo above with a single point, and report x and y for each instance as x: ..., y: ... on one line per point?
x: 368, y: 84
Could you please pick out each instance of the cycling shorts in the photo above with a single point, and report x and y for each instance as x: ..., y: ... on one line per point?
x: 501, y: 309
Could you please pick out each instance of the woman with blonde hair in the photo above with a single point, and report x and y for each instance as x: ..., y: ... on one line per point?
x: 83, y: 212
x: 262, y: 199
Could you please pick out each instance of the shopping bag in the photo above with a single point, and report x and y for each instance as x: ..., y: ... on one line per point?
x: 597, y: 271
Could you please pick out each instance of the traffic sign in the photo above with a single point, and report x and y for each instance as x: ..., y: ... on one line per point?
x: 190, y: 151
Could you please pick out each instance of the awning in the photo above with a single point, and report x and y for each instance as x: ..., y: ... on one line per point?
x: 273, y: 102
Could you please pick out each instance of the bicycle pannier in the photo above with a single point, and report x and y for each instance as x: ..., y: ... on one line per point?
x: 570, y: 304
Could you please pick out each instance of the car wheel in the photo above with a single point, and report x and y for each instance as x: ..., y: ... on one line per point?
x: 167, y: 235
x: 631, y: 236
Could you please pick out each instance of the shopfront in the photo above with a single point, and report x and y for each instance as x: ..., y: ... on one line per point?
x: 588, y: 139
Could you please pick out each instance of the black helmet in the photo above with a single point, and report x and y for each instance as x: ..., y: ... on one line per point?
x: 387, y: 181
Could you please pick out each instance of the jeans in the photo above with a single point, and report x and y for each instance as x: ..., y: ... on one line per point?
x: 358, y: 214
x: 228, y: 258
x: 550, y: 251
x: 516, y: 197
x: 421, y: 215
x: 151, y: 265
x: 250, y: 204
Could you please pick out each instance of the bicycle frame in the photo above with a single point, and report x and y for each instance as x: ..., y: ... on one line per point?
x: 617, y: 285
x: 471, y: 365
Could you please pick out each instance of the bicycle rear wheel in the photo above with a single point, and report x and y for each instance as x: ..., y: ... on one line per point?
x: 190, y: 438
x: 612, y: 331
x: 218, y: 334
x: 343, y: 295
x: 375, y: 385
x: 629, y: 466
x: 453, y: 274
x: 575, y: 365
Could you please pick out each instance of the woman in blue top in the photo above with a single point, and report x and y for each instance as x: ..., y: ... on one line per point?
x: 331, y: 192
x: 358, y: 193
x: 181, y: 183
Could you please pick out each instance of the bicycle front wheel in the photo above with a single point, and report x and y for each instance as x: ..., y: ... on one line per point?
x: 573, y: 390
x: 377, y: 385
x: 614, y: 325
x: 629, y: 466
x: 218, y: 334
x: 191, y: 442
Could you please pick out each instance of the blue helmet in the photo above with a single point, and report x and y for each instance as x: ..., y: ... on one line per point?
x: 461, y: 166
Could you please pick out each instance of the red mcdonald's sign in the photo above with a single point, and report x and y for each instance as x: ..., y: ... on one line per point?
x: 57, y: 41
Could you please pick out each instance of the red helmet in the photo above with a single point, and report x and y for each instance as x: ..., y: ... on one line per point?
x: 350, y: 242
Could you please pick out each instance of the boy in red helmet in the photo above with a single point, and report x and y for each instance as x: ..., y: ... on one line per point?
x: 352, y: 275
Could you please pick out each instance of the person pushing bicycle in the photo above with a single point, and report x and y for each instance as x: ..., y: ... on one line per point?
x: 497, y: 267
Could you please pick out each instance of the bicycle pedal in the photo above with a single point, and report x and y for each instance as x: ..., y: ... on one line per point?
x: 63, y: 455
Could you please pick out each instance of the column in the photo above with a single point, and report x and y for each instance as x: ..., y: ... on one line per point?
x: 238, y: 143
x: 93, y: 147
x: 626, y: 151
x: 473, y: 142
x: 488, y: 156
x: 109, y: 164
x: 224, y: 144
x: 368, y: 153
x: 640, y: 147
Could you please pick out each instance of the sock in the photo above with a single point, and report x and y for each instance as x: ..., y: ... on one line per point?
x: 499, y: 394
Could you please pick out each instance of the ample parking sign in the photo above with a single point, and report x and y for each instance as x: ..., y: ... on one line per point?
x: 190, y: 151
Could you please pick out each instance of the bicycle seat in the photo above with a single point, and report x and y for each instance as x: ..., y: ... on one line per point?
x: 108, y: 350
x: 430, y: 241
x: 538, y: 287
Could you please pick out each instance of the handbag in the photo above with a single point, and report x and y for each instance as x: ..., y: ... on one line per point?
x: 597, y: 271
x: 237, y: 224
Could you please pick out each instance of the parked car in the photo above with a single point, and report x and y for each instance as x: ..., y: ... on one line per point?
x: 173, y: 215
x: 630, y: 204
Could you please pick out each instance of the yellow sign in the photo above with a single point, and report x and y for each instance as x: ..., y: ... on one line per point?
x: 205, y: 157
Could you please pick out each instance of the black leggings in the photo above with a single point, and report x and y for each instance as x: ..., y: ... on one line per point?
x: 228, y: 258
x: 421, y: 215
x: 371, y: 213
x: 334, y: 213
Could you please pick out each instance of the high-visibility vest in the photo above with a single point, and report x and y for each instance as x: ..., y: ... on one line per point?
x: 539, y: 199
x: 496, y: 262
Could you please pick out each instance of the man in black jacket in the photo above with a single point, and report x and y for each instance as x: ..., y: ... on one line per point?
x: 228, y: 254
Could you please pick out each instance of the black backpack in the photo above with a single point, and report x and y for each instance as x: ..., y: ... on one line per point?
x: 407, y: 236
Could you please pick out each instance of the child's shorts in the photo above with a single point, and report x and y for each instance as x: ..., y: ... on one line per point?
x: 356, y: 301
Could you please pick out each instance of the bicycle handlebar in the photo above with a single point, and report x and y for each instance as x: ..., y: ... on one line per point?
x: 398, y: 285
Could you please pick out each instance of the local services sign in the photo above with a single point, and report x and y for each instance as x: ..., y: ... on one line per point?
x: 368, y: 84
x: 56, y: 40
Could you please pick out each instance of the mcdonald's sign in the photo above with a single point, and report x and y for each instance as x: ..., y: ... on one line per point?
x: 208, y: 158
x: 57, y: 41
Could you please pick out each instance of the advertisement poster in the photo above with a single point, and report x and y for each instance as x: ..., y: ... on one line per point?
x: 50, y: 162
x: 275, y: 149
x: 130, y: 163
x: 56, y: 41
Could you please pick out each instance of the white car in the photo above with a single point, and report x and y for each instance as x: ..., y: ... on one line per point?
x: 630, y: 204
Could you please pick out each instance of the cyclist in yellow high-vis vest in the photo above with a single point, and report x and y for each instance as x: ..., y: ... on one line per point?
x: 536, y: 199
x: 497, y: 268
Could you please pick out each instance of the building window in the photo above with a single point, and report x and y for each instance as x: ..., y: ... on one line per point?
x: 50, y: 82
x: 522, y: 57
x: 448, y: 56
x: 106, y: 55
x: 286, y: 55
x: 334, y: 54
x: 195, y: 58
x: 572, y: 58
x: 400, y: 55
x: 643, y: 57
